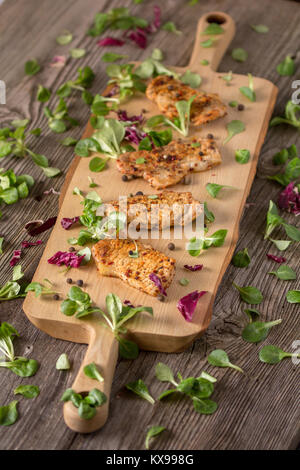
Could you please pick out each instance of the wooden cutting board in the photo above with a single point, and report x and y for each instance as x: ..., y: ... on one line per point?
x: 167, y: 331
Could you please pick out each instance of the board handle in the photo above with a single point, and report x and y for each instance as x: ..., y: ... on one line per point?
x: 220, y: 44
x: 103, y: 350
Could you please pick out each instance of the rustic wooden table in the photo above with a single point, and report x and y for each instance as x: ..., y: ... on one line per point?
x: 259, y: 412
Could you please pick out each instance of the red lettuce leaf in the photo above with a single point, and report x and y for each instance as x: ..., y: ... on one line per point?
x: 42, y: 228
x: 138, y: 36
x: 277, y: 259
x: 123, y: 116
x: 196, y: 267
x: 66, y: 222
x: 109, y: 41
x: 15, y: 258
x: 155, y: 25
x: 67, y: 258
x: 187, y: 304
x: 289, y: 199
x: 27, y: 244
x: 157, y: 281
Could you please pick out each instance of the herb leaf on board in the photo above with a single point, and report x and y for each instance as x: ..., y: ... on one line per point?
x: 219, y: 358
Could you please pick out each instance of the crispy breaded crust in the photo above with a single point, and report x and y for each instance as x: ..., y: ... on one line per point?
x: 165, y: 91
x: 166, y: 166
x: 112, y: 259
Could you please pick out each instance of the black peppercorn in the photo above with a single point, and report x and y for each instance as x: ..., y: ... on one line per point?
x: 241, y: 107
x: 161, y: 298
x: 79, y: 282
x: 69, y: 280
x: 139, y: 193
x: 124, y: 178
x: 210, y: 136
x: 130, y: 252
x: 56, y: 297
x: 171, y: 246
x: 71, y: 249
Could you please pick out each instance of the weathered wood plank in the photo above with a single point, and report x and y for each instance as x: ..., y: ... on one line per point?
x: 254, y: 415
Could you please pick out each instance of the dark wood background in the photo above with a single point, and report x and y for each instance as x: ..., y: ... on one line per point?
x: 255, y: 412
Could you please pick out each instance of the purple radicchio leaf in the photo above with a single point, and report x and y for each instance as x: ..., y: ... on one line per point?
x: 277, y: 259
x: 196, y: 267
x: 66, y: 222
x: 15, y: 258
x: 187, y: 304
x: 42, y: 228
x: 123, y: 116
x: 157, y: 281
x: 154, y: 26
x: 109, y: 41
x: 27, y: 244
x: 138, y: 36
x: 128, y: 303
x: 289, y: 199
x: 67, y: 258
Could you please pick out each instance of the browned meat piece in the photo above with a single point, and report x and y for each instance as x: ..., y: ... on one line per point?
x: 166, y: 91
x: 113, y: 260
x: 170, y: 208
x: 165, y: 166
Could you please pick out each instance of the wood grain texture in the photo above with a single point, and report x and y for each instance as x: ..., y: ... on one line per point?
x: 167, y: 331
x: 249, y: 416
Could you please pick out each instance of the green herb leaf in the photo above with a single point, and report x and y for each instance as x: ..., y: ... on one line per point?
x: 207, y: 43
x: 281, y: 244
x: 213, y: 189
x: 249, y: 294
x: 8, y: 414
x: 219, y: 358
x: 285, y: 273
x: 77, y: 53
x: 286, y: 67
x: 293, y: 296
x: 233, y: 104
x: 248, y: 91
x: 97, y: 164
x: 251, y: 313
x: 290, y: 117
x: 128, y: 349
x: 112, y: 57
x: 272, y: 354
x: 204, y: 62
x: 32, y: 67
x: 69, y: 142
x: 164, y: 373
x: 51, y: 172
x: 1, y: 245
x: 65, y: 38
x: 17, y: 272
x: 63, y: 362
x: 258, y: 331
x: 233, y: 128
x: 227, y: 78
x: 192, y: 79
x: 241, y: 259
x: 213, y: 29
x: 170, y: 26
x: 260, y: 28
x: 92, y: 371
x: 239, y: 54
x: 204, y: 406
x: 153, y: 432
x: 184, y: 281
x: 43, y: 94
x: 28, y: 391
x: 140, y: 388
x: 242, y: 156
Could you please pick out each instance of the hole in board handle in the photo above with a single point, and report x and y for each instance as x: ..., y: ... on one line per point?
x: 215, y: 18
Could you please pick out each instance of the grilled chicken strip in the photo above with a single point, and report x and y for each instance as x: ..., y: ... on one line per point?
x: 166, y: 166
x: 165, y: 91
x: 113, y: 260
x: 162, y: 210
